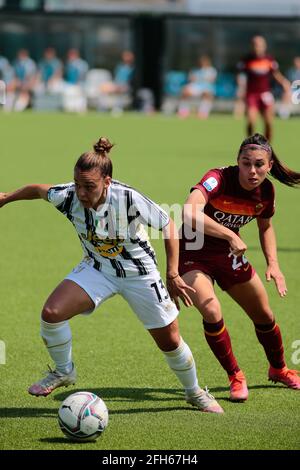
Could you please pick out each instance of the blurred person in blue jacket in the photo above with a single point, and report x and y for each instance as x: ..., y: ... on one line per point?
x: 121, y: 85
x: 50, y: 71
x: 123, y: 75
x: 76, y: 68
x: 201, y: 84
x: 24, y: 80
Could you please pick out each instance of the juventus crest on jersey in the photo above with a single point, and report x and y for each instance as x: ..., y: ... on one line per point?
x: 113, y: 236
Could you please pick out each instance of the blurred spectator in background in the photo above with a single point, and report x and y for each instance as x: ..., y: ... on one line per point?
x: 293, y: 75
x: 23, y: 82
x: 294, y: 72
x: 121, y: 85
x: 259, y: 68
x: 50, y: 71
x: 76, y: 68
x: 201, y: 85
x: 7, y: 76
x: 5, y: 68
x: 123, y: 75
x: 174, y: 81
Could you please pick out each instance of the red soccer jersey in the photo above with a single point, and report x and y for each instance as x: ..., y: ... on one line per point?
x: 231, y: 205
x: 259, y: 72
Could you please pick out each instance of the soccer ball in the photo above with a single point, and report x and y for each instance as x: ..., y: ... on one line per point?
x: 83, y: 416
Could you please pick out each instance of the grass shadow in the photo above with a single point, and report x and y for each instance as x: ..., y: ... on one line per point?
x: 27, y: 412
x: 129, y: 396
x: 215, y: 390
x: 110, y: 395
x: 114, y: 394
x: 63, y: 440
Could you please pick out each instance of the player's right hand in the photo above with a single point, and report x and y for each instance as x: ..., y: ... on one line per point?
x: 237, y: 246
x: 177, y: 288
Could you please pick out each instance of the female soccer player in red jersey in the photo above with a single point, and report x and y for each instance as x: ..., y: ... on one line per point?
x: 232, y: 197
x: 260, y: 68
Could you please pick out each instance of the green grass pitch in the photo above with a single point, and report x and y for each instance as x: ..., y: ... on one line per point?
x: 115, y: 357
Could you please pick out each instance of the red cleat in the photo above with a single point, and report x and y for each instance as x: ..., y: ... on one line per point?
x: 286, y: 376
x: 238, y: 387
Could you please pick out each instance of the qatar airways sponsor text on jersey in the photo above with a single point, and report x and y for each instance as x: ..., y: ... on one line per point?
x: 231, y: 205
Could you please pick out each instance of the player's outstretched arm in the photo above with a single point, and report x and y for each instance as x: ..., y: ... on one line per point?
x: 31, y: 191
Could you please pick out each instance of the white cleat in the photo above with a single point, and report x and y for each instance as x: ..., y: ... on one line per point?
x: 53, y: 380
x: 204, y: 401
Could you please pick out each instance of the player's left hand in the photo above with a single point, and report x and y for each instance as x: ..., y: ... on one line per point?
x: 178, y: 288
x: 2, y: 199
x: 273, y: 272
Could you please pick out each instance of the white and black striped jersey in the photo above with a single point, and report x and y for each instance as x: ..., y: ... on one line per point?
x: 113, y: 236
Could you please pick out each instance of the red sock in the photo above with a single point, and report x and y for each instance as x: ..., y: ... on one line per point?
x: 269, y: 337
x: 218, y: 339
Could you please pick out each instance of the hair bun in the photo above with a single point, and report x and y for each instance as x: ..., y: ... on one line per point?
x: 103, y: 146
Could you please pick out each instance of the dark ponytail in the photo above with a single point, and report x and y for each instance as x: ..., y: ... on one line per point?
x: 103, y: 146
x: 279, y: 171
x: 98, y: 158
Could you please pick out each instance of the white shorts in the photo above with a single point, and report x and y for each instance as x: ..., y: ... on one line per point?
x: 197, y: 89
x: 146, y: 295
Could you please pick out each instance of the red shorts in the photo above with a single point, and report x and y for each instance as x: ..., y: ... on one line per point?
x: 226, y: 271
x: 260, y: 101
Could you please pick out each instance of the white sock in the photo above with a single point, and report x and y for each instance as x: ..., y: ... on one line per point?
x: 21, y: 103
x: 182, y: 363
x: 58, y: 340
x: 184, y: 107
x: 205, y: 107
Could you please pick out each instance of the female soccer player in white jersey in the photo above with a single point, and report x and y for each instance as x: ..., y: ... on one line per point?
x: 118, y: 259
